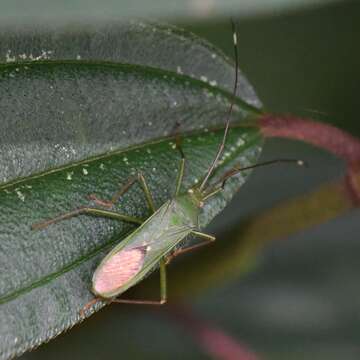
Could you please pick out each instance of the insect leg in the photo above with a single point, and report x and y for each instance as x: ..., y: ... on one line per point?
x: 89, y: 305
x: 163, y: 294
x: 87, y: 211
x: 140, y: 178
x: 181, y: 167
x: 147, y: 192
x: 208, y: 240
x: 163, y: 290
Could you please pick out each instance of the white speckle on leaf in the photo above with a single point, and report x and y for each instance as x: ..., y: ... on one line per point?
x: 208, y: 93
x: 203, y: 78
x: 213, y: 82
x: 69, y: 175
x: 213, y: 55
x: 20, y: 195
x: 78, y: 57
x: 154, y: 169
x: 240, y: 142
x: 9, y: 58
x: 28, y: 186
x: 179, y: 70
x: 148, y: 151
x: 102, y: 166
x: 85, y: 172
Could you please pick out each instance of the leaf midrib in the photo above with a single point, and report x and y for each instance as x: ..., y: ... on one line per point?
x: 94, y: 158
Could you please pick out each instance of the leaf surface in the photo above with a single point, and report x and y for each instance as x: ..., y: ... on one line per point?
x: 78, y: 127
x: 90, y: 107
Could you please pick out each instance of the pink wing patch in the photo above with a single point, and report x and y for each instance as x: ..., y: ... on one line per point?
x: 118, y: 270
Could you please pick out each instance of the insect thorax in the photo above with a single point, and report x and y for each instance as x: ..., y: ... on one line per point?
x: 187, y: 209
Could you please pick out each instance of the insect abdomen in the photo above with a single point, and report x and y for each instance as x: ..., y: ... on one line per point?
x: 135, y: 257
x: 118, y: 270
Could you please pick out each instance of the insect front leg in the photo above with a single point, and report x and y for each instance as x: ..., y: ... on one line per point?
x: 208, y: 240
x: 137, y: 178
x: 163, y: 290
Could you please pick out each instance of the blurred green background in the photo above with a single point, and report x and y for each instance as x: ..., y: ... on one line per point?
x: 302, y: 299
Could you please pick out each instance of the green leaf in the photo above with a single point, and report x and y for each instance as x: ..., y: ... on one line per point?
x: 68, y: 125
x: 91, y: 111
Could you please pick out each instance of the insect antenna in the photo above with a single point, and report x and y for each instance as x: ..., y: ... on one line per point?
x: 227, y: 122
x: 219, y: 185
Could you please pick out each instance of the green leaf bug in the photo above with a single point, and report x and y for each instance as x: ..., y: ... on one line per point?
x: 154, y: 241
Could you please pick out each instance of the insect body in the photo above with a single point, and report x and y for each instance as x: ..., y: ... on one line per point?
x: 154, y: 241
x: 131, y: 260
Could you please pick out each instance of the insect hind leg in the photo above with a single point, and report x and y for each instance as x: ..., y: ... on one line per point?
x: 163, y: 294
x: 208, y: 240
x: 163, y: 291
x: 89, y: 305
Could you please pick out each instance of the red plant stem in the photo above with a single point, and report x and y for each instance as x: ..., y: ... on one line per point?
x: 325, y: 136
x: 213, y: 340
